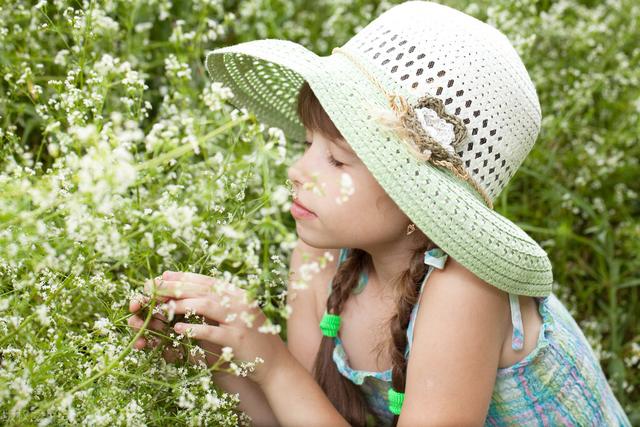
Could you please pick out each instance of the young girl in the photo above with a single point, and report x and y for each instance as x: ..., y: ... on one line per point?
x: 438, y: 310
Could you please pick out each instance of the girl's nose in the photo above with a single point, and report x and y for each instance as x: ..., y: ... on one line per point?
x: 295, y: 180
x: 296, y: 173
x: 304, y: 168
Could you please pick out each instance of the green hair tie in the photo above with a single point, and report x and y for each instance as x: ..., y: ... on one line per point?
x: 330, y: 324
x: 395, y: 401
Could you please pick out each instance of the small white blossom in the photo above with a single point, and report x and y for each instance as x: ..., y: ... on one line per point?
x: 43, y: 314
x: 270, y: 328
x: 346, y: 188
x: 227, y: 354
x: 247, y: 318
x: 102, y: 326
x: 176, y: 68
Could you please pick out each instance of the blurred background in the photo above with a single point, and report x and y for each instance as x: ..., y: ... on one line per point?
x: 119, y: 160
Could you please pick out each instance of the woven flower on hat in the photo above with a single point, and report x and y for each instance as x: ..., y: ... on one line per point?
x: 431, y: 134
x: 437, y: 128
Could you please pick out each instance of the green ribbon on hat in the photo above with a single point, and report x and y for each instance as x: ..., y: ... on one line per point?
x: 330, y: 324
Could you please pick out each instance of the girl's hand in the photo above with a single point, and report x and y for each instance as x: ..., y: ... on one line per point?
x: 236, y: 319
x: 160, y: 324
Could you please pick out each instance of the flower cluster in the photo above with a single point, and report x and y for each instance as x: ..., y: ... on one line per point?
x: 115, y: 166
x: 245, y: 368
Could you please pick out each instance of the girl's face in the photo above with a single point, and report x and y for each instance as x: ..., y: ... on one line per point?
x: 368, y: 219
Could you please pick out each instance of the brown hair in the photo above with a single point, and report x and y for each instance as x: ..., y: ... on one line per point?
x: 341, y: 391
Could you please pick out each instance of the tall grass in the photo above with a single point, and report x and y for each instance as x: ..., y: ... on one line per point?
x: 119, y: 159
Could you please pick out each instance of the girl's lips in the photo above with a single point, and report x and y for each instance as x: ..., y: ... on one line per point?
x: 298, y: 211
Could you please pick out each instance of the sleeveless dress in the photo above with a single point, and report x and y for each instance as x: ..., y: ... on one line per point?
x: 560, y: 382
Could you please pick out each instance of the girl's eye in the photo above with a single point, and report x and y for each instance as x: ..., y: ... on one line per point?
x: 334, y: 162
x: 330, y: 158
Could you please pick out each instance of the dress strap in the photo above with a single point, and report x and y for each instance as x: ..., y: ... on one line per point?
x: 437, y: 258
x: 517, y: 338
x: 343, y: 255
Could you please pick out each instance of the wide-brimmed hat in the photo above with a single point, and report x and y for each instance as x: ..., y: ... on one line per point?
x: 437, y: 105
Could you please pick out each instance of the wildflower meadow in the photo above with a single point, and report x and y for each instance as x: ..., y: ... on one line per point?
x: 119, y: 159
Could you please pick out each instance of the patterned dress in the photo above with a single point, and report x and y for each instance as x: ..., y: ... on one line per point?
x: 559, y: 383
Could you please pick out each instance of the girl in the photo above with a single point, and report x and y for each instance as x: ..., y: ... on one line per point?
x: 427, y: 112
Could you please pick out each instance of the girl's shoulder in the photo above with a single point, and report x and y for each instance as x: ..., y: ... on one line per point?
x: 455, y: 280
x: 455, y: 285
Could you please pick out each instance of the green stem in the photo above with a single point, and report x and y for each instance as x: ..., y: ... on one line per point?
x: 144, y: 378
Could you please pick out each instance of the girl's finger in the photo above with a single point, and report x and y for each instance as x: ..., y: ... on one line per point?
x: 151, y: 285
x: 183, y: 289
x: 185, y: 276
x: 210, y: 308
x: 137, y: 302
x: 211, y: 284
x: 140, y: 343
x: 171, y: 354
x: 213, y: 334
x: 136, y: 323
x: 140, y: 301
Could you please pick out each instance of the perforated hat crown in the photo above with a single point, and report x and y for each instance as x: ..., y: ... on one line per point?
x: 463, y: 92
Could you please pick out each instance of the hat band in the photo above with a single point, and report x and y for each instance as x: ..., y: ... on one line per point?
x: 412, y: 122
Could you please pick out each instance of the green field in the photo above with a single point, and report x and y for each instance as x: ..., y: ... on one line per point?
x: 119, y: 160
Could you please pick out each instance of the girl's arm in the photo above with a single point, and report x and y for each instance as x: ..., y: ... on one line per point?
x: 252, y: 399
x: 303, y: 339
x: 297, y: 399
x: 459, y: 330
x: 292, y: 392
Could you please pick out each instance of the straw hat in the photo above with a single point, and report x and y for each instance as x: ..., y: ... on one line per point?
x: 439, y: 107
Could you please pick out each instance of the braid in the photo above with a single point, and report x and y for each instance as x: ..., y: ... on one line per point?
x: 409, y: 290
x: 341, y: 391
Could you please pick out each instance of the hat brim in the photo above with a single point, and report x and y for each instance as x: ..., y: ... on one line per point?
x: 265, y: 77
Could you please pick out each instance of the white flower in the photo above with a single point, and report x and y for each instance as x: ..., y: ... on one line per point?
x: 247, y: 318
x: 438, y: 128
x: 43, y: 314
x: 102, y: 326
x: 280, y: 196
x: 328, y: 255
x: 177, y: 69
x: 169, y: 308
x: 269, y: 328
x: 84, y: 133
x: 346, y: 188
x: 227, y: 353
x: 307, y: 269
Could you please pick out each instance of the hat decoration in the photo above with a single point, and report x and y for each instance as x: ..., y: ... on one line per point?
x: 427, y: 126
x: 437, y: 129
